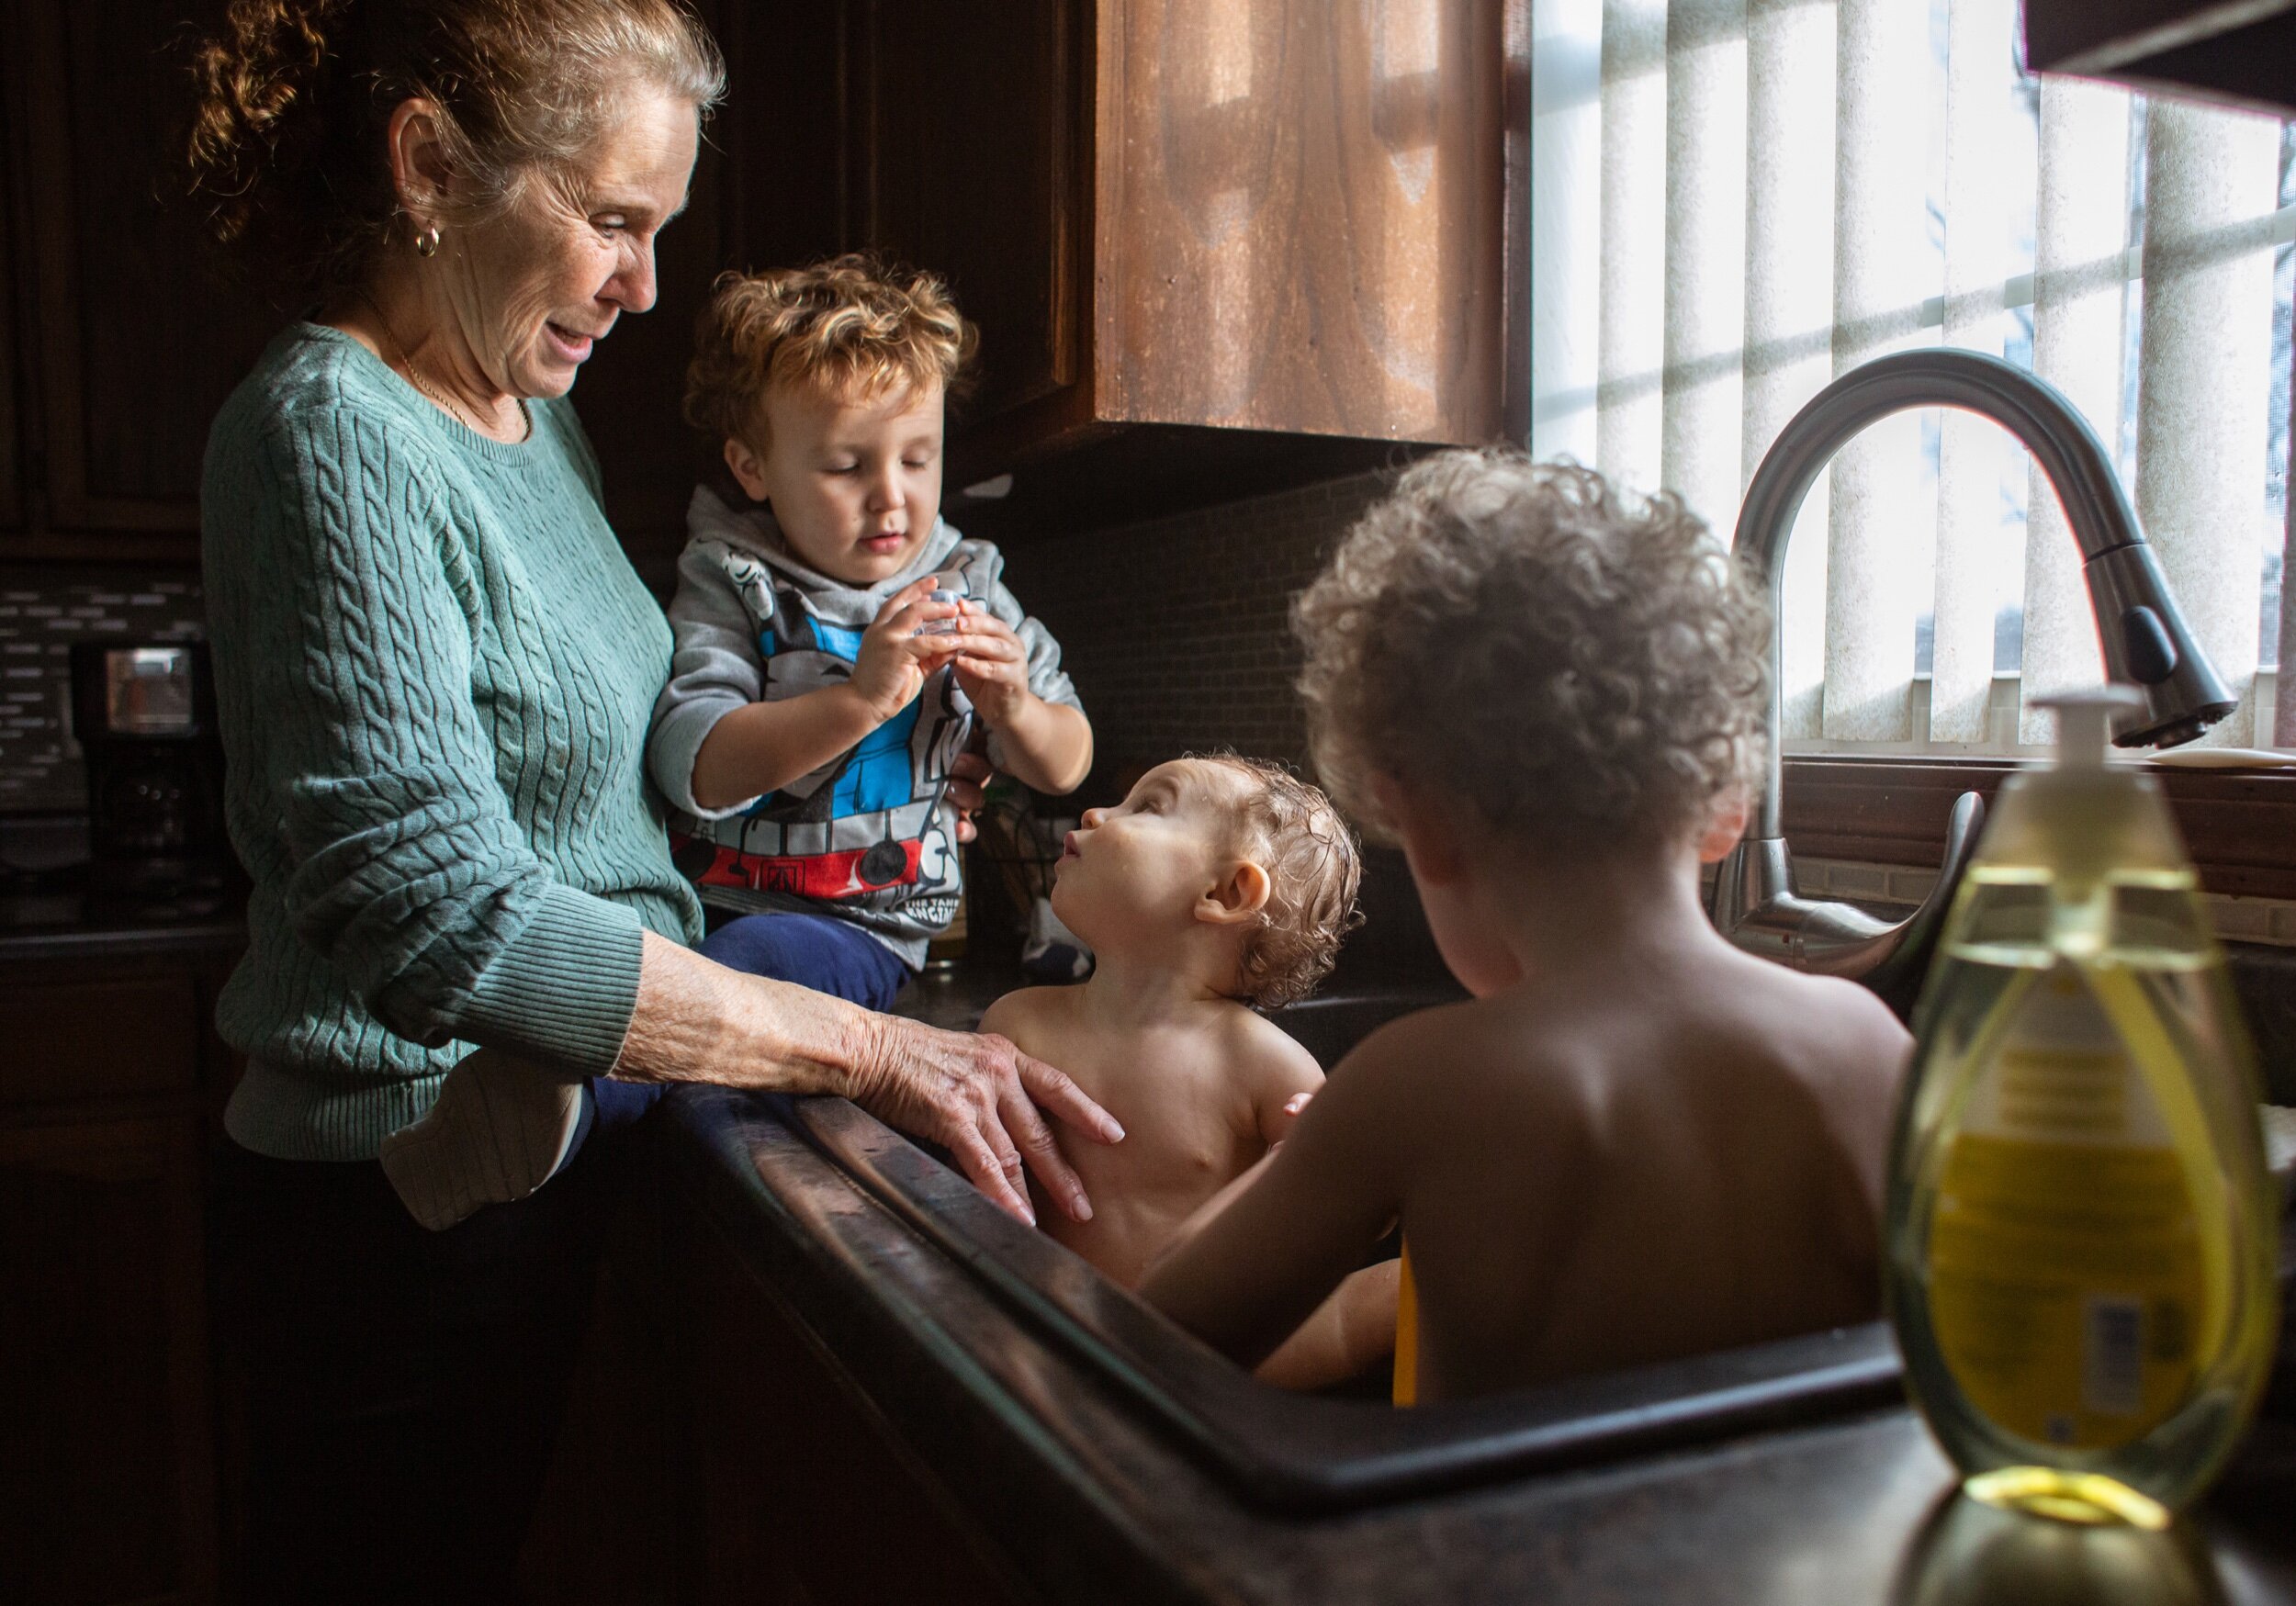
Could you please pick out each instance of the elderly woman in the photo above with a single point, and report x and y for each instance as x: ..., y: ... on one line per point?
x: 436, y: 669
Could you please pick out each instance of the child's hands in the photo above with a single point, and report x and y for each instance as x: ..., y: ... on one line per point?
x: 992, y: 666
x: 894, y: 659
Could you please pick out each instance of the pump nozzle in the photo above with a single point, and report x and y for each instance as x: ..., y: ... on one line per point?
x: 2085, y: 721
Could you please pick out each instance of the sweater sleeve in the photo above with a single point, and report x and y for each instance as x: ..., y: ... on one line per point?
x: 714, y: 668
x: 411, y: 877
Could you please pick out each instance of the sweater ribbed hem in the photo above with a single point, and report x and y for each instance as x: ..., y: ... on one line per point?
x: 291, y: 1114
x: 564, y: 989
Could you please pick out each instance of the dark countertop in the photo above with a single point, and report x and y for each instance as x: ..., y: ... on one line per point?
x: 1086, y: 1498
x: 54, y: 905
x: 108, y: 934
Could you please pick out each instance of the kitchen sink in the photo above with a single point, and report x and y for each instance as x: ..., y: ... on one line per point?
x: 1306, y: 1452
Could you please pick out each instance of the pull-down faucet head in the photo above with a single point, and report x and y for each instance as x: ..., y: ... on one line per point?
x: 2143, y: 638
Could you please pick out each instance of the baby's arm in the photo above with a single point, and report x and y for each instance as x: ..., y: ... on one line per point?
x: 761, y: 746
x: 1285, y: 1076
x: 1249, y: 1275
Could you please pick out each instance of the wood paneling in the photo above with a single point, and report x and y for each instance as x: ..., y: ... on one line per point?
x: 106, y: 1489
x: 137, y: 346
x: 73, y: 1041
x: 1301, y: 208
x: 2240, y: 825
x: 12, y: 442
x: 851, y: 1520
x: 2245, y: 52
x: 967, y: 124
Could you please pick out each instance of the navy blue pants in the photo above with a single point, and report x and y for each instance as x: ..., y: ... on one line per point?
x: 828, y: 955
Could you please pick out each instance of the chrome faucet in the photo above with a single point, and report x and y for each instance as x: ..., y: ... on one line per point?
x: 2143, y: 635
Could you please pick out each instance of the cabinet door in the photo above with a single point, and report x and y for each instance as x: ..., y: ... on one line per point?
x: 1303, y: 211
x: 968, y: 160
x: 11, y: 424
x: 106, y: 1485
x: 137, y: 345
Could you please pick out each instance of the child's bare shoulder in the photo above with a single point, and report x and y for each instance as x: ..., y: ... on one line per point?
x: 1259, y: 1051
x: 1029, y: 1011
x: 1437, y: 1058
x: 1825, y: 1016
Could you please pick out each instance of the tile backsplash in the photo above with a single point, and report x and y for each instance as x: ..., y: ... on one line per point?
x: 42, y: 612
x: 1176, y: 631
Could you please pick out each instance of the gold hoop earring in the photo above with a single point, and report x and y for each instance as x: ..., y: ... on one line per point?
x: 426, y: 242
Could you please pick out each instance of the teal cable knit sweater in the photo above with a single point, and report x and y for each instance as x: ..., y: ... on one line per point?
x: 436, y: 670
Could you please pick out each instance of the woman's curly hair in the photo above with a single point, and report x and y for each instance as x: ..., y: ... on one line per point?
x: 1313, y: 869
x: 853, y: 323
x: 1578, y: 667
x: 285, y: 143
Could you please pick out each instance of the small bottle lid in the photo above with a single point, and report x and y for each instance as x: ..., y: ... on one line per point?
x: 2085, y: 723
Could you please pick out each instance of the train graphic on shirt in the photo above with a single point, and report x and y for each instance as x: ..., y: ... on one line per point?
x: 871, y: 831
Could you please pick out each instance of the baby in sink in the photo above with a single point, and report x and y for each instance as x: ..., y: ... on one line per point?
x: 1218, y: 882
x: 1633, y: 1142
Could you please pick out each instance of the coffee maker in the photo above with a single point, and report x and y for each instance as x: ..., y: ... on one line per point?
x: 144, y: 715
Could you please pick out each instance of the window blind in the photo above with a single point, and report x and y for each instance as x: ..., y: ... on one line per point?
x: 1734, y: 201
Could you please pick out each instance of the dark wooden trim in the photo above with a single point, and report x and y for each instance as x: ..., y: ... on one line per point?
x: 42, y: 85
x: 2240, y: 825
x: 1514, y: 320
x: 13, y: 448
x: 178, y: 548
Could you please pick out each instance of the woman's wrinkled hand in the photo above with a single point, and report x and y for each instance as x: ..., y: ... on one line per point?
x: 985, y: 1102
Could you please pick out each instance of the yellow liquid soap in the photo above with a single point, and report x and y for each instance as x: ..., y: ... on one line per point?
x: 2080, y: 1230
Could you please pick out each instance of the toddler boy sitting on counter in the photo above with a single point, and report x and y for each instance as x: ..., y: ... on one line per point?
x: 1219, y: 882
x: 1633, y: 1142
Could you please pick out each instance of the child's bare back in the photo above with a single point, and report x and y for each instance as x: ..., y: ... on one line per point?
x: 1200, y: 1093
x: 1682, y: 1160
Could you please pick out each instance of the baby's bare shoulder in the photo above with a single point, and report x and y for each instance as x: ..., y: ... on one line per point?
x: 1267, y: 1056
x: 1030, y: 1012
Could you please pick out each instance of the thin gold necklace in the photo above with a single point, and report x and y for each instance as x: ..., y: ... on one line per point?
x: 405, y: 364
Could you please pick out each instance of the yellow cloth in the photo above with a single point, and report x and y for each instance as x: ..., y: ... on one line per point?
x: 1407, y: 1336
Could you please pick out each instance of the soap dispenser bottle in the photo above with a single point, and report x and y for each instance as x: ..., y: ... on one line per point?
x: 2080, y: 1224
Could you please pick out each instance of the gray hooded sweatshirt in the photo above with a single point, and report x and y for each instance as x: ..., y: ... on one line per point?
x: 868, y: 837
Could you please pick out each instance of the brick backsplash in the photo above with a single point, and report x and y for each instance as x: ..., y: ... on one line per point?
x: 42, y: 613
x: 1175, y: 630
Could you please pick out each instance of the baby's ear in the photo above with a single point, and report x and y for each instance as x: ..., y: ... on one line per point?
x: 1240, y: 893
x: 1725, y: 825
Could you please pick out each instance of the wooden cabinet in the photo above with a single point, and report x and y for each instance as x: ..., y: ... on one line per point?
x: 11, y: 417
x: 2240, y: 53
x: 1214, y: 245
x: 107, y: 1483
x: 131, y: 345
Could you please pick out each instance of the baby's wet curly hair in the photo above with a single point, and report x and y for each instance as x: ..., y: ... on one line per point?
x: 852, y: 323
x: 1579, y: 666
x: 1313, y: 867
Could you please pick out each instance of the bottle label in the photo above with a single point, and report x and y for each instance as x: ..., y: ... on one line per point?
x: 2066, y: 1280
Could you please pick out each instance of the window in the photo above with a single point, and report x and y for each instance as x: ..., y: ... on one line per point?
x: 1735, y: 200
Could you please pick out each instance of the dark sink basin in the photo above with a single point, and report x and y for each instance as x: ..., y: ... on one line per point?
x: 1305, y: 1453
x: 1328, y: 1028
